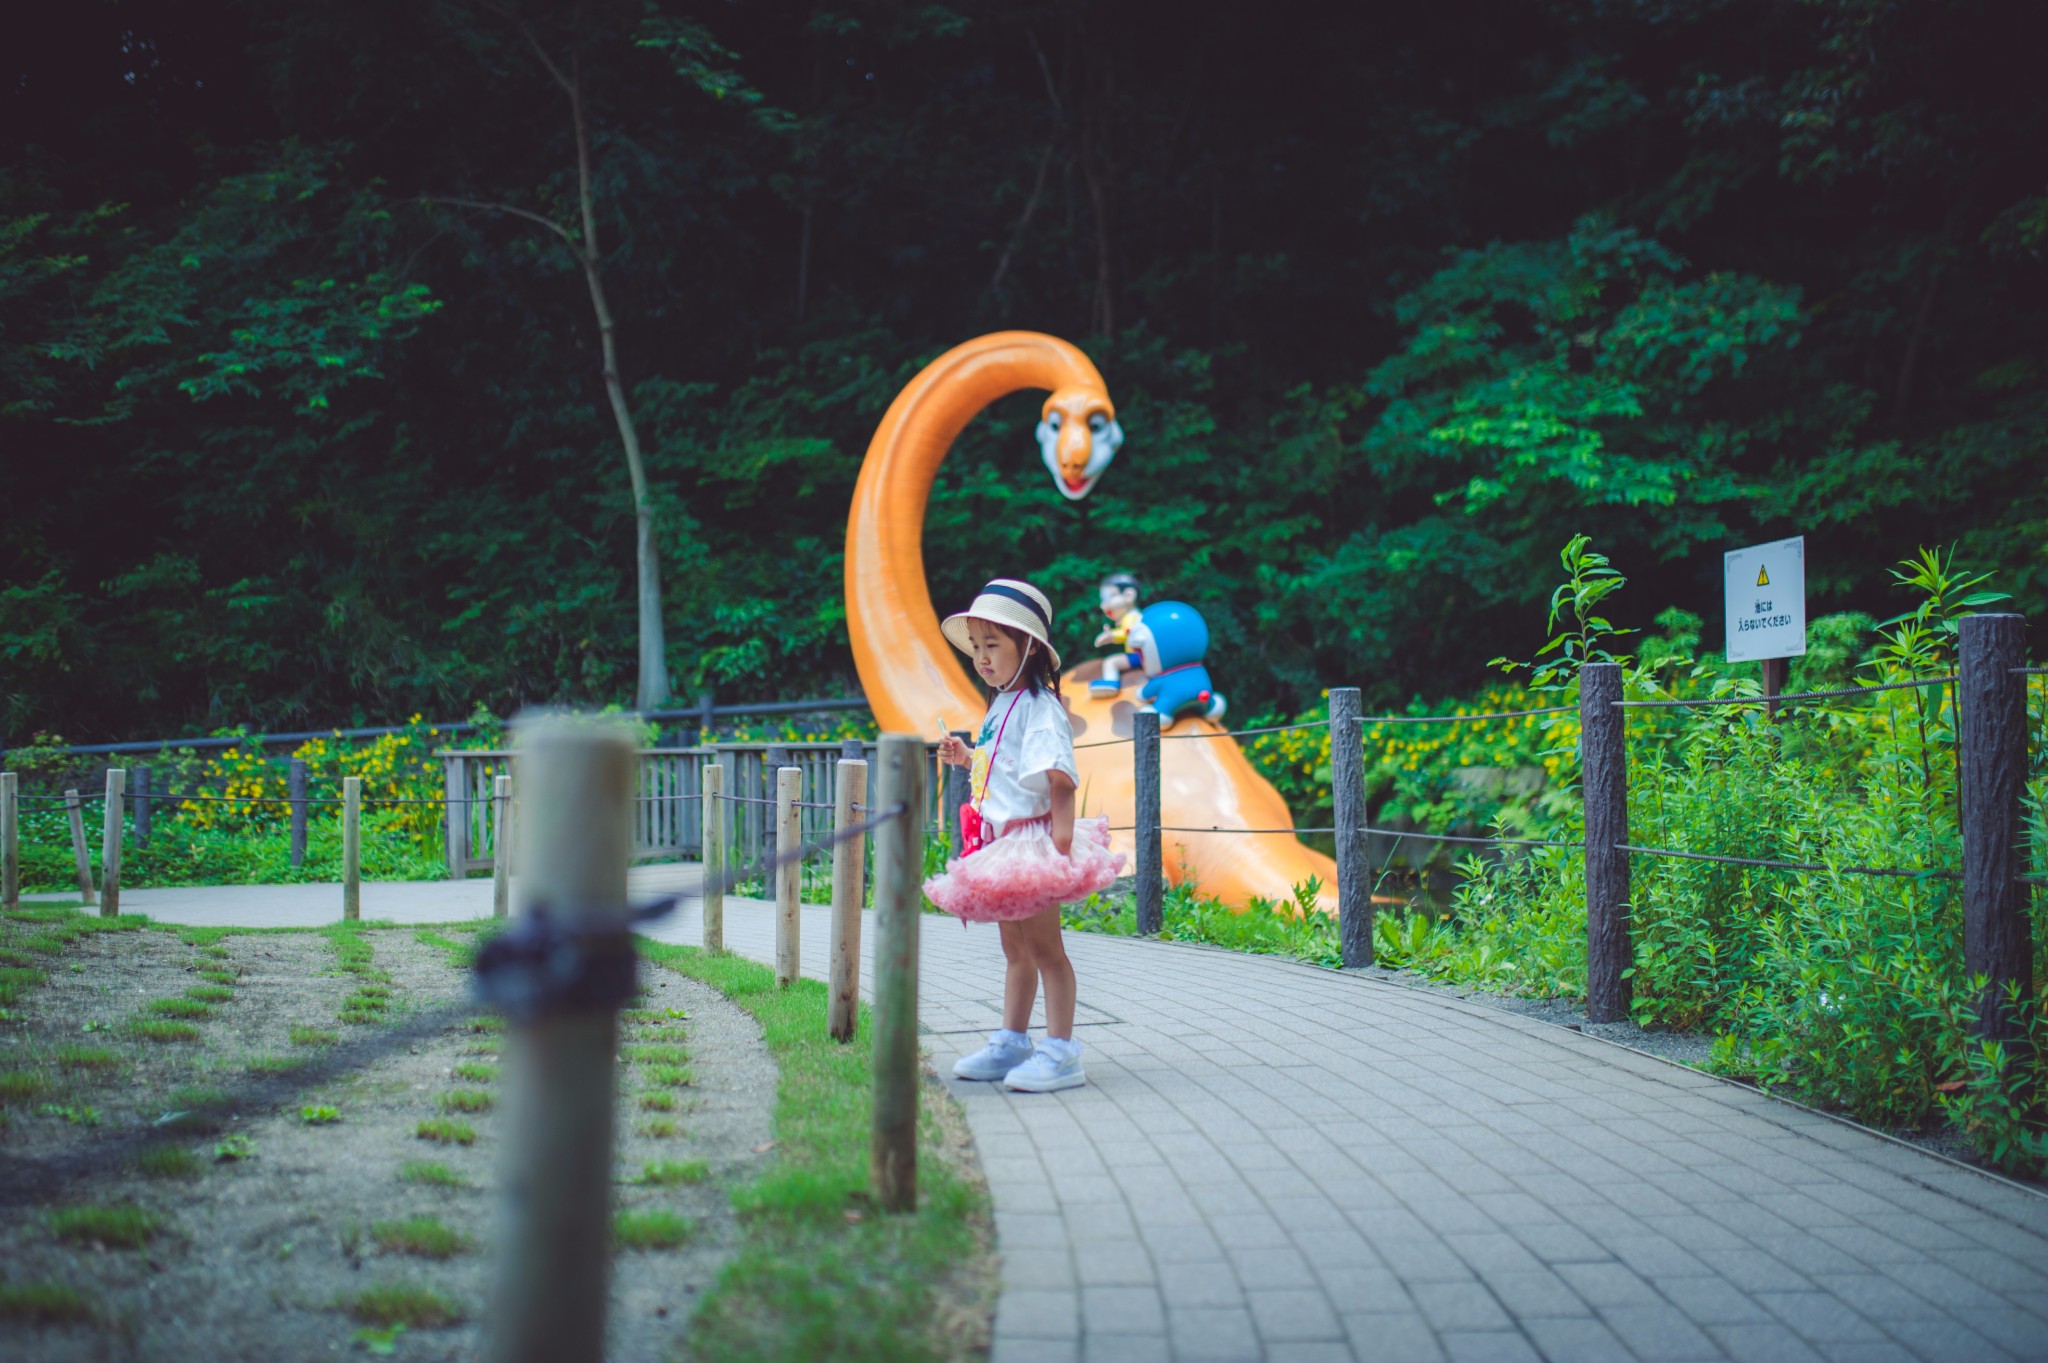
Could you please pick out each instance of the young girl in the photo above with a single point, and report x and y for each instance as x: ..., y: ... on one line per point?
x: 1034, y: 855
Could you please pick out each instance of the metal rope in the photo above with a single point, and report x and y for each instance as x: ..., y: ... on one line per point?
x: 1785, y: 699
x: 1789, y: 865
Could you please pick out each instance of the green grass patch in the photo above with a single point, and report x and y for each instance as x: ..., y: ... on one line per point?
x: 809, y: 1281
x: 656, y: 1055
x: 467, y: 1100
x: 659, y: 1129
x: 319, y: 1114
x: 432, y: 1173
x: 50, y: 943
x: 476, y: 1072
x: 220, y: 976
x: 118, y: 1226
x: 44, y: 1304
x: 274, y: 1064
x: 662, y: 1172
x: 158, y: 1029
x: 422, y: 1236
x: 78, y: 1114
x: 10, y: 957
x: 413, y: 1305
x: 313, y: 1036
x: 210, y: 993
x: 169, y: 1161
x: 87, y: 1058
x: 16, y: 981
x: 656, y: 1229
x: 22, y: 1086
x: 658, y: 1102
x: 446, y: 1131
x: 670, y: 1076
x: 178, y: 1008
x: 218, y: 953
x: 364, y: 1013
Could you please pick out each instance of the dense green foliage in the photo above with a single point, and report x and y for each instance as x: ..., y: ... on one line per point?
x: 1389, y: 298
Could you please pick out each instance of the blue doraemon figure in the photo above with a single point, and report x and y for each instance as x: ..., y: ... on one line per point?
x: 1173, y: 640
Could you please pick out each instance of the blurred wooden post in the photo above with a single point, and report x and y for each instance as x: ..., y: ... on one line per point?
x: 501, y: 846
x: 351, y: 848
x: 954, y: 793
x: 899, y: 872
x: 1991, y: 749
x: 788, y: 877
x: 849, y: 859
x: 1603, y: 751
x: 455, y: 814
x: 1775, y: 670
x: 1347, y: 791
x: 856, y: 750
x: 110, y: 844
x: 712, y: 788
x: 295, y: 787
x: 139, y: 797
x: 10, y: 841
x: 78, y: 853
x: 576, y: 782
x: 1145, y: 750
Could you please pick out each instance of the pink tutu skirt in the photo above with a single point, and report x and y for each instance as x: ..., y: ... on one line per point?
x: 1021, y: 874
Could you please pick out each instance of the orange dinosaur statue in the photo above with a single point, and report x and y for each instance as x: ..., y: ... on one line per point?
x: 911, y: 675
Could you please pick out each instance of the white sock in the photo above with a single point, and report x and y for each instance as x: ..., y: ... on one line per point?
x: 1003, y: 1036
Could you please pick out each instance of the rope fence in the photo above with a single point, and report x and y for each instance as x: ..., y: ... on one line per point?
x: 1786, y: 699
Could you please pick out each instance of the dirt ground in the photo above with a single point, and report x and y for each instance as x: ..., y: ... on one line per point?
x: 280, y: 1222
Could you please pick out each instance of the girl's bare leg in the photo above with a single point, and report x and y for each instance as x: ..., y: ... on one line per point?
x: 1020, y: 978
x: 1046, y: 956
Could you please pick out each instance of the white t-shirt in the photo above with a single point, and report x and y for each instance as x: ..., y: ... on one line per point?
x: 1036, y: 739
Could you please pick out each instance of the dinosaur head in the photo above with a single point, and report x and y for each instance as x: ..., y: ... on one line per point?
x: 1078, y: 436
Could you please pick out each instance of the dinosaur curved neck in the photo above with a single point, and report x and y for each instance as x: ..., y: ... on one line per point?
x: 911, y: 675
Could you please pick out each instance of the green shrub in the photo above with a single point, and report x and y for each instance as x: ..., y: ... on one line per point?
x: 467, y: 1100
x: 431, y: 1173
x: 118, y: 1226
x: 422, y: 1236
x: 446, y: 1131
x: 414, y: 1305
x: 45, y: 1303
x: 657, y: 1229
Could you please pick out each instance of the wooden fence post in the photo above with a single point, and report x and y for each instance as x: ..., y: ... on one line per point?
x: 501, y: 846
x: 1145, y: 753
x: 849, y: 858
x: 856, y: 750
x: 789, y: 966
x: 455, y: 815
x: 576, y: 798
x: 707, y: 717
x: 78, y: 853
x: 351, y: 849
x: 899, y: 872
x: 954, y: 793
x: 10, y: 841
x: 1603, y: 751
x: 295, y: 788
x: 1991, y: 749
x: 140, y: 798
x: 110, y: 844
x: 712, y: 787
x: 1347, y: 792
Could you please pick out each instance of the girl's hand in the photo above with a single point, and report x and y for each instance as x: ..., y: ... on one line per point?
x: 1062, y: 812
x: 954, y: 752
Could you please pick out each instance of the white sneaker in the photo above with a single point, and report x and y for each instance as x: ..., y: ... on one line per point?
x: 1053, y: 1066
x: 1004, y: 1052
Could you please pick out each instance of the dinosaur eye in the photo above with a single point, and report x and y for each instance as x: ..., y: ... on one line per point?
x: 1097, y: 421
x: 1052, y: 419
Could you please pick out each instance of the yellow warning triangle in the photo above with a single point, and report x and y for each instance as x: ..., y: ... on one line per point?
x: 1763, y: 577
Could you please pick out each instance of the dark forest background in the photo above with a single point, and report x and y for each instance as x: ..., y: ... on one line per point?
x: 1392, y: 300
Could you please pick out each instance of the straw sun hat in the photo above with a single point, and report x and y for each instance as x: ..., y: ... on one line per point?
x: 1006, y: 601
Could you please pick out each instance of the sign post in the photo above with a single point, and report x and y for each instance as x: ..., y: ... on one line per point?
x: 1765, y: 591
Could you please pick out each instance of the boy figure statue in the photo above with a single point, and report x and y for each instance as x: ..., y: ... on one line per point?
x: 1119, y: 594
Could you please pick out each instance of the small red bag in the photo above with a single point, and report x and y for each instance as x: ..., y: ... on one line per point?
x: 973, y: 831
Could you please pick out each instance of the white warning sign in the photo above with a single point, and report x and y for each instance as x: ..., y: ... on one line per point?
x: 1766, y: 597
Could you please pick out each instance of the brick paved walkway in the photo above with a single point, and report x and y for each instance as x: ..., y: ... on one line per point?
x: 1276, y: 1162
